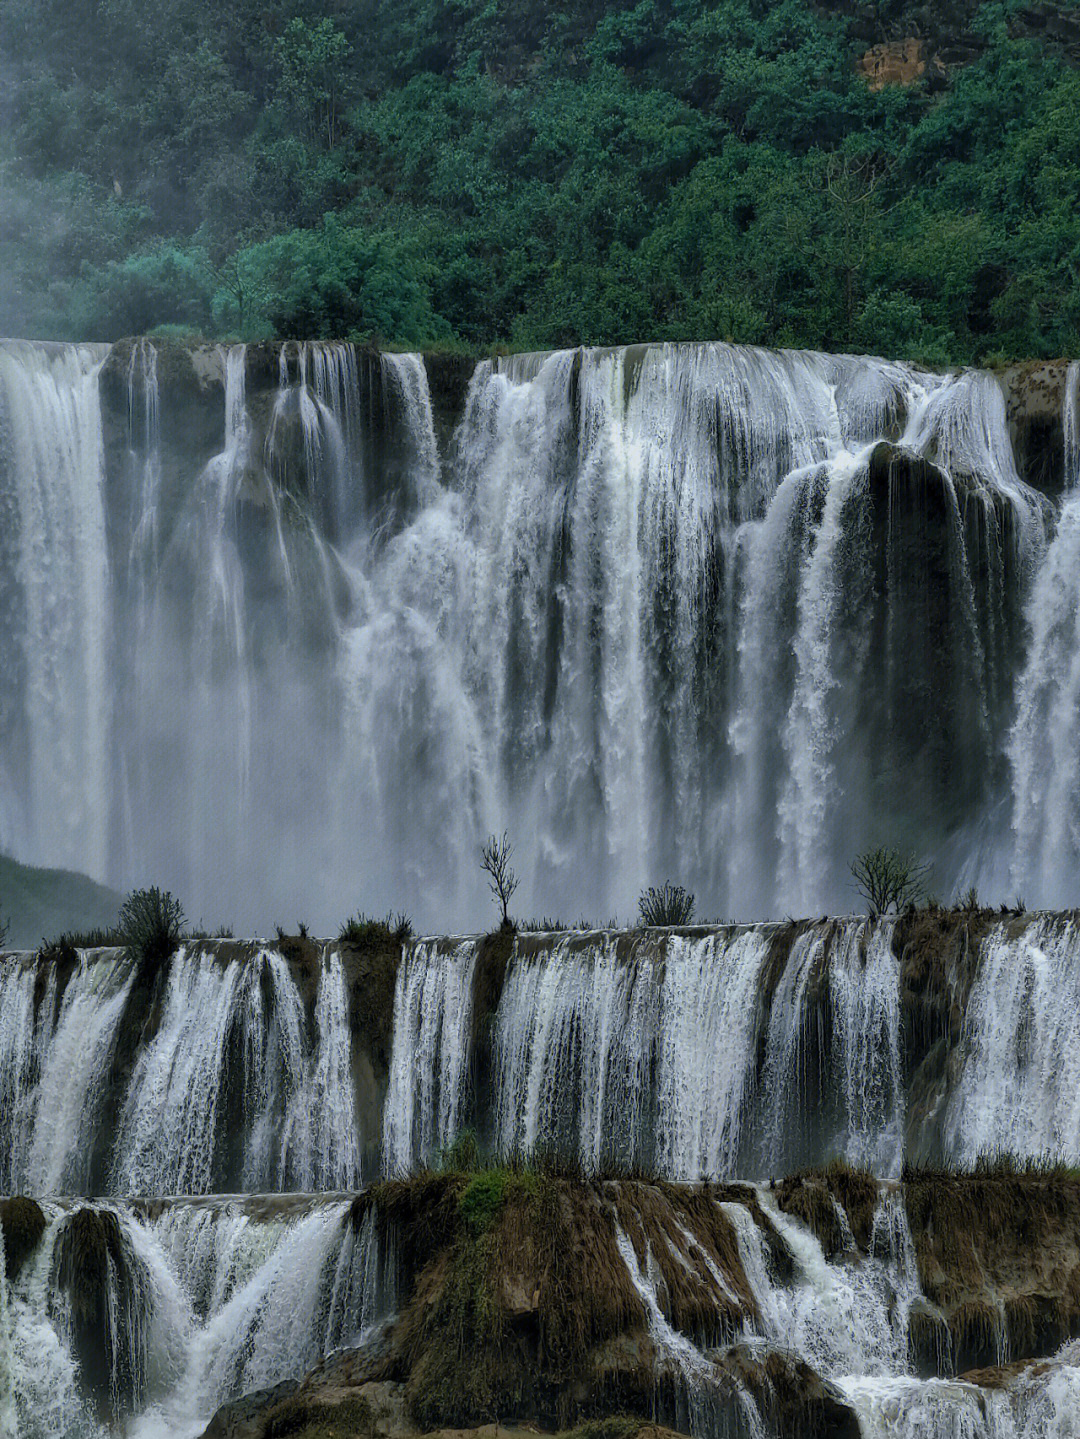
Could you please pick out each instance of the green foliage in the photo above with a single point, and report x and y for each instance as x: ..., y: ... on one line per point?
x: 669, y: 904
x: 482, y: 1199
x: 458, y: 172
x: 150, y: 925
x: 312, y: 61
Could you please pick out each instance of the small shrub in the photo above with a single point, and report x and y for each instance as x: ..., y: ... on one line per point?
x: 557, y: 926
x: 668, y: 905
x: 888, y: 879
x: 150, y: 924
x: 362, y: 930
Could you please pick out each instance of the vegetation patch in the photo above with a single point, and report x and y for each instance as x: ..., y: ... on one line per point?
x: 806, y: 1198
x: 522, y: 1304
x: 665, y: 905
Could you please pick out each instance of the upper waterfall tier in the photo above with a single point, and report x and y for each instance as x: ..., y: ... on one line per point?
x: 285, y: 624
x: 698, y: 1054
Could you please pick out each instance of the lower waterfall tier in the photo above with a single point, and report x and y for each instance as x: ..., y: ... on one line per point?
x: 830, y: 1304
x: 732, y: 1052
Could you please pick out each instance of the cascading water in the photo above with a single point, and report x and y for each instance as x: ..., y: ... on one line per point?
x: 238, y: 1082
x: 279, y: 618
x: 847, y: 1317
x: 1019, y: 1089
x: 55, y: 1067
x: 732, y: 1052
x: 670, y: 610
x: 233, y: 1066
x: 55, y: 643
x: 1044, y: 749
x: 652, y: 1058
x: 203, y: 1302
x: 429, y: 1068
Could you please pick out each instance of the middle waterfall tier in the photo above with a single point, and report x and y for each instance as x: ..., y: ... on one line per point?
x: 736, y: 1051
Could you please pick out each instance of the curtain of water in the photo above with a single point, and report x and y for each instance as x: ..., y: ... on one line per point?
x: 658, y: 611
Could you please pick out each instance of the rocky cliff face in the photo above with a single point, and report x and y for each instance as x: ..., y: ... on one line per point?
x: 902, y: 36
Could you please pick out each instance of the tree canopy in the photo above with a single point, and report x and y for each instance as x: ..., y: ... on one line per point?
x: 480, y: 172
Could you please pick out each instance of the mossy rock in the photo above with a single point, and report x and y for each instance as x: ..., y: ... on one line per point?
x: 89, y: 1239
x: 23, y: 1223
x: 302, y: 1418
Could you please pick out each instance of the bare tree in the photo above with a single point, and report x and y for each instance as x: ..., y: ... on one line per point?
x: 888, y: 879
x: 495, y: 857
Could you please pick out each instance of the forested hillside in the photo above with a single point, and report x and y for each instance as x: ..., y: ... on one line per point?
x: 889, y: 176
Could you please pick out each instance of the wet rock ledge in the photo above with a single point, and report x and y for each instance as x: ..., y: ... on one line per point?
x: 522, y: 1307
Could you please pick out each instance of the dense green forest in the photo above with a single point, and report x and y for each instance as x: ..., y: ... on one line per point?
x: 536, y: 173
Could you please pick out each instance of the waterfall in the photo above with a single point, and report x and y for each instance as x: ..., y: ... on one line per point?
x: 53, y: 1068
x: 650, y: 1058
x: 697, y: 1388
x: 672, y: 610
x: 235, y: 1071
x: 1043, y: 745
x: 847, y: 1317
x: 54, y: 722
x: 298, y: 625
x: 429, y: 1067
x: 846, y: 1082
x: 200, y: 1304
x: 1019, y: 1089
x: 715, y: 1054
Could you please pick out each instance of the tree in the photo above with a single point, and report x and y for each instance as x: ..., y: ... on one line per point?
x: 312, y: 60
x: 888, y: 879
x: 495, y: 857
